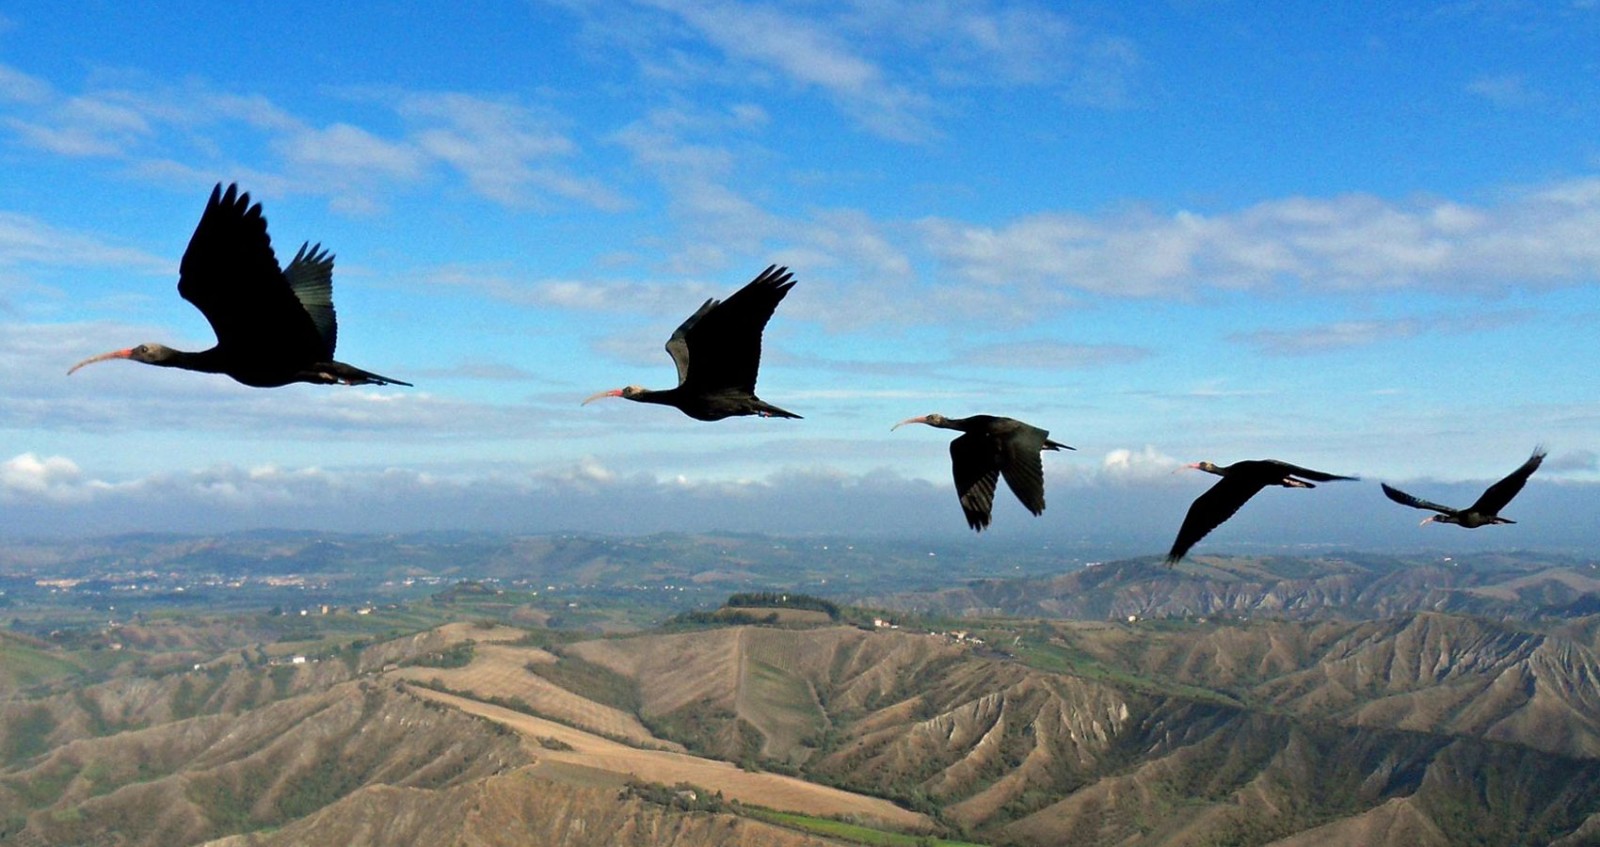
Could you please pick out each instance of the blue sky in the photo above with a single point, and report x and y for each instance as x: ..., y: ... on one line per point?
x: 1362, y: 240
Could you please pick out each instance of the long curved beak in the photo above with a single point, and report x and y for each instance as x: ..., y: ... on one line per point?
x: 114, y: 354
x: 615, y: 392
x: 1427, y: 520
x: 922, y: 419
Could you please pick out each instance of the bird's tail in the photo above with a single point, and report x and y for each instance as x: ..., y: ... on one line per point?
x: 767, y: 410
x: 339, y: 373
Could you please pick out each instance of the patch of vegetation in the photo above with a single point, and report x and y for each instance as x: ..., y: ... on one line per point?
x: 28, y: 735
x: 723, y: 617
x: 43, y: 788
x: 224, y: 805
x: 696, y: 726
x: 682, y: 797
x: 846, y: 831
x: 783, y: 600
x: 590, y: 680
x: 458, y: 655
x: 282, y: 677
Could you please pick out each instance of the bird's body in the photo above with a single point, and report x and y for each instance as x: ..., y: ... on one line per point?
x: 1484, y: 512
x: 718, y: 352
x: 991, y: 447
x: 274, y: 327
x: 1240, y: 481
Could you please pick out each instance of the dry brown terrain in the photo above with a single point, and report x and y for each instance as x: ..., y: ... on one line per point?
x: 766, y: 789
x: 499, y: 670
x: 518, y: 809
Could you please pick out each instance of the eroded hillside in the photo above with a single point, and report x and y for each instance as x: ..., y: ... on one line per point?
x: 1423, y: 728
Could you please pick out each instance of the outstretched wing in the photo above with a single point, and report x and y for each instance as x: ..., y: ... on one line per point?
x: 1211, y: 509
x: 231, y: 275
x: 310, y: 277
x: 1498, y: 495
x: 1306, y: 473
x: 1021, y: 466
x: 975, y: 465
x: 719, y: 346
x: 678, y: 344
x: 1405, y: 499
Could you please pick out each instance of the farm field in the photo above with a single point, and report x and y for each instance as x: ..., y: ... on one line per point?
x: 669, y: 768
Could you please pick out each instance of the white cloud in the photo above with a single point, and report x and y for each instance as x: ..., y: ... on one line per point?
x: 1054, y: 355
x: 345, y: 148
x: 1124, y: 465
x: 1350, y: 243
x: 1339, y: 335
x: 504, y: 149
x: 1508, y: 91
x: 889, y: 65
x: 24, y: 239
x: 55, y: 479
x: 18, y: 87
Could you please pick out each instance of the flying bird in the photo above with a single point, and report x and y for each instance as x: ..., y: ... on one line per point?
x: 991, y: 447
x: 273, y: 326
x: 1240, y: 481
x: 1482, y: 513
x: 718, y: 351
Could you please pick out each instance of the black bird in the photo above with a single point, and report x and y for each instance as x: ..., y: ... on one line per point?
x: 991, y: 447
x: 1240, y: 481
x: 273, y: 326
x: 1482, y: 513
x: 717, y: 351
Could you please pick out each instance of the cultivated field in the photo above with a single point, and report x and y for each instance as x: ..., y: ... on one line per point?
x: 499, y: 670
x: 774, y: 791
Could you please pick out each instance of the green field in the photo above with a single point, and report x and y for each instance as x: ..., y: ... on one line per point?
x: 851, y: 832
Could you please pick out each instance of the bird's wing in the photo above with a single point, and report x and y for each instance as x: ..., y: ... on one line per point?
x: 231, y: 275
x: 1307, y: 473
x: 678, y: 344
x: 1211, y: 509
x: 310, y: 277
x: 975, y: 467
x: 1405, y: 499
x: 1496, y: 496
x: 1022, y: 467
x: 722, y: 341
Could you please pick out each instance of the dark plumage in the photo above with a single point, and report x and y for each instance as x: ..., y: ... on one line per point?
x: 718, y: 351
x: 273, y: 326
x: 991, y: 447
x: 1486, y: 510
x: 1240, y: 481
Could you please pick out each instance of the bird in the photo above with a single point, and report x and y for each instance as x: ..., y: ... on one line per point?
x: 1240, y: 481
x: 274, y: 327
x: 988, y: 448
x: 718, y: 351
x: 1486, y: 511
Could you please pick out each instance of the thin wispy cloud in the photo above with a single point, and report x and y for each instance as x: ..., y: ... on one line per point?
x: 26, y: 240
x: 1342, y: 335
x: 506, y: 151
x: 1349, y: 243
x: 1054, y: 355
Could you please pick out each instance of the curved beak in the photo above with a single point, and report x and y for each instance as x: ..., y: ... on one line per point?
x: 922, y: 419
x: 615, y: 392
x: 1427, y: 520
x: 114, y: 354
